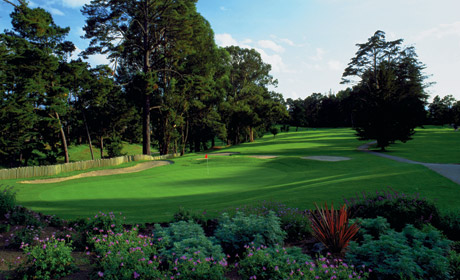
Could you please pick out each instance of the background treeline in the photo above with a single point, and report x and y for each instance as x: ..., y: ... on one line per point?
x: 339, y: 110
x: 183, y: 92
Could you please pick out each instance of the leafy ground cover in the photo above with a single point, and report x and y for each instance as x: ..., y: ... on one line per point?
x: 225, y: 181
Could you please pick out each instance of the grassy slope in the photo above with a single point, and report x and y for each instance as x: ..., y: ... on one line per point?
x: 229, y: 181
x: 432, y: 144
x: 82, y: 152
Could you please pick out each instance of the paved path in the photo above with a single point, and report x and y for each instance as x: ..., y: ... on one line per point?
x: 450, y: 171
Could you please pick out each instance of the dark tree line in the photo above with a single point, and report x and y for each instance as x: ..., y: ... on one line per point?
x: 171, y: 87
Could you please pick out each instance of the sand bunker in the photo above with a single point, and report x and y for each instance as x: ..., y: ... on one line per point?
x: 327, y: 158
x: 137, y: 168
x: 263, y: 156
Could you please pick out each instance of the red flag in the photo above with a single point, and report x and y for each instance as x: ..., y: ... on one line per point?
x: 206, y: 156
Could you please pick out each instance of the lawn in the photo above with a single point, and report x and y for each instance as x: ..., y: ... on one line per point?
x: 224, y: 182
x: 433, y: 144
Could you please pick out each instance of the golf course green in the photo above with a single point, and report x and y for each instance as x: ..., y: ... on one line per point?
x: 228, y: 181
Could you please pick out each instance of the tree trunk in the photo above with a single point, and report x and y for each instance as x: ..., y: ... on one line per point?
x: 146, y: 125
x: 213, y: 142
x: 89, y: 136
x: 251, y: 134
x: 63, y: 139
x: 146, y: 70
x: 101, y: 143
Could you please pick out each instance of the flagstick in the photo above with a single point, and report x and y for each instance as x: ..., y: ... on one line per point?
x: 207, y: 166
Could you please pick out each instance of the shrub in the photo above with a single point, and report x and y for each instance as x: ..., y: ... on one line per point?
x: 281, y: 263
x: 274, y: 130
x: 234, y: 233
x: 449, y: 224
x: 125, y: 255
x: 409, y: 254
x: 398, y: 208
x: 295, y: 222
x: 23, y: 216
x: 114, y: 146
x: 7, y: 200
x: 197, y: 268
x: 103, y: 223
x: 21, y: 236
x: 332, y: 228
x: 50, y: 259
x: 454, y: 265
x: 373, y: 227
x: 186, y: 239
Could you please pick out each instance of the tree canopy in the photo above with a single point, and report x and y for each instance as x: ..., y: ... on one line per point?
x: 389, y: 92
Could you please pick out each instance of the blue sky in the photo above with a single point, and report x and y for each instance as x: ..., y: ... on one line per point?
x: 309, y: 42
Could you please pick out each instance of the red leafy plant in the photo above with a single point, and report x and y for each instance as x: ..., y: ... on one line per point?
x: 332, y: 228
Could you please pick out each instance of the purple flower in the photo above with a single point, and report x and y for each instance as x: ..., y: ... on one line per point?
x: 100, y: 274
x: 136, y: 275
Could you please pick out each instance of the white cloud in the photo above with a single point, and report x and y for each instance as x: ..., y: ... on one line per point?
x: 268, y: 44
x: 75, y: 3
x: 222, y: 8
x: 225, y: 40
x: 55, y: 12
x: 275, y: 60
x: 97, y: 59
x: 319, y: 55
x: 335, y: 65
x: 441, y: 31
x: 287, y: 41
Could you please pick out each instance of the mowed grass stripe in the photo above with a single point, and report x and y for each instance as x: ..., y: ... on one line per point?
x: 229, y: 181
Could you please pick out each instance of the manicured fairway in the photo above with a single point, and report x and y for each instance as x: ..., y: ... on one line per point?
x: 231, y: 181
x: 432, y: 144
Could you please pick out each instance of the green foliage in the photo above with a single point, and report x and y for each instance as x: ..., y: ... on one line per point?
x: 114, y: 146
x: 274, y: 130
x: 23, y: 216
x: 234, y: 233
x: 7, y: 200
x: 20, y: 236
x: 186, y: 239
x: 373, y: 227
x: 198, y: 268
x: 294, y: 221
x: 126, y: 255
x: 390, y: 97
x: 411, y: 253
x: 332, y: 228
x: 50, y: 259
x: 449, y: 224
x: 102, y: 223
x: 398, y: 208
x: 454, y: 264
x: 290, y: 263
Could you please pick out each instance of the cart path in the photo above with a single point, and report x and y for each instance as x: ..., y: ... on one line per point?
x: 137, y: 168
x: 450, y: 171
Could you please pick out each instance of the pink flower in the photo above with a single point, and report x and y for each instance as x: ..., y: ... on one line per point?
x: 100, y: 274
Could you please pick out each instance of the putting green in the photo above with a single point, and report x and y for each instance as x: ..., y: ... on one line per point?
x: 222, y: 182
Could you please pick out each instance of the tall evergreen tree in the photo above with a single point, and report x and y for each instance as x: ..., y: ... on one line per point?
x: 142, y: 33
x: 390, y: 90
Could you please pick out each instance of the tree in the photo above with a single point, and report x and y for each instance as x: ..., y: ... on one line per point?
x: 142, y: 34
x: 35, y: 48
x: 441, y: 110
x: 390, y: 90
x: 248, y: 105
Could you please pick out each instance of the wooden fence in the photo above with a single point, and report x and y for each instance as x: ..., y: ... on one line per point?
x: 49, y: 170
